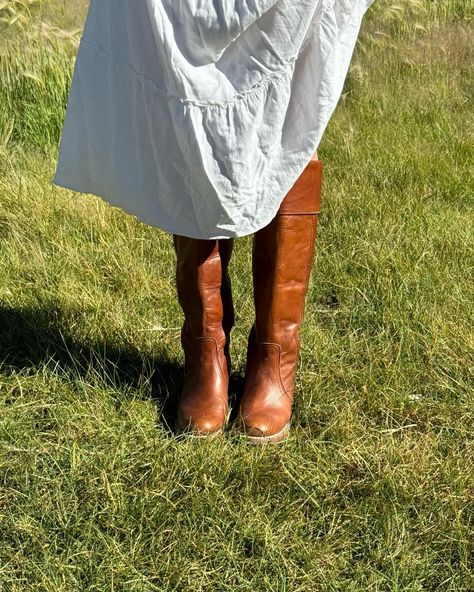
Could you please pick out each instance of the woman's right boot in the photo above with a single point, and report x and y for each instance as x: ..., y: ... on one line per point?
x: 204, y: 293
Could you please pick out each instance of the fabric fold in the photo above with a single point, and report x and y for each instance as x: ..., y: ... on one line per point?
x: 197, y: 117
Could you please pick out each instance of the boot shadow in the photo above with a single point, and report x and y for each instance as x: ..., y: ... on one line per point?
x: 236, y: 389
x: 31, y: 336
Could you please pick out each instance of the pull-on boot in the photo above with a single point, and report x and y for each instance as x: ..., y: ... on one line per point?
x: 282, y: 256
x: 204, y: 293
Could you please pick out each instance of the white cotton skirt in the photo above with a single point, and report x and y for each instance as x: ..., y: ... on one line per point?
x: 198, y: 116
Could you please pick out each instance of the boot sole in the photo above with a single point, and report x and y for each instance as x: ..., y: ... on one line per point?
x: 277, y: 438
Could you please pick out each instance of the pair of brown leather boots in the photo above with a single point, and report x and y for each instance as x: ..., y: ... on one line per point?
x: 282, y: 255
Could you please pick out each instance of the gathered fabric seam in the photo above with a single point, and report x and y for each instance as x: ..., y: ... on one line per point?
x: 264, y: 82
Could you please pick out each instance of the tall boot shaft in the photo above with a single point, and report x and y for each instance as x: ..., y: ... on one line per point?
x: 282, y: 257
x: 198, y: 283
x: 201, y: 281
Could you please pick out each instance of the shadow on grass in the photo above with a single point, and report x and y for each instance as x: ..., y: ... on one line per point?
x: 33, y: 336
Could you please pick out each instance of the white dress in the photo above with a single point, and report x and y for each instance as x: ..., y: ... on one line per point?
x: 197, y: 116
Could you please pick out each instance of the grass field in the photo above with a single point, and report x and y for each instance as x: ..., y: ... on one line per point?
x: 374, y: 490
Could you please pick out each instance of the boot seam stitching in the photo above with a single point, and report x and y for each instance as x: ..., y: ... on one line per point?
x: 277, y: 346
x: 215, y: 354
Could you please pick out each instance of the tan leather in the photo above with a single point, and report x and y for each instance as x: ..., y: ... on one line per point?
x: 281, y: 265
x: 202, y: 281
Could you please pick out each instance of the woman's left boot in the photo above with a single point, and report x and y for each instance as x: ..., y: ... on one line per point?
x: 282, y: 258
x: 204, y: 293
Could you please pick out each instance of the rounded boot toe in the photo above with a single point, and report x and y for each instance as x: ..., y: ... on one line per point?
x: 258, y: 426
x: 202, y: 426
x: 263, y: 428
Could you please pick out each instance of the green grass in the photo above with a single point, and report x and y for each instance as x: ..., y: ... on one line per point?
x: 374, y: 489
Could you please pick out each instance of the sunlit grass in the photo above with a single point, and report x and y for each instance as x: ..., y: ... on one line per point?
x: 374, y: 489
